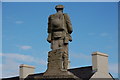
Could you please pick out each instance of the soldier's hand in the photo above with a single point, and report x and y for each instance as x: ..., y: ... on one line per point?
x: 70, y: 40
x: 49, y: 40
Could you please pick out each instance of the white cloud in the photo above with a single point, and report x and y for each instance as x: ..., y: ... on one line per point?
x: 0, y: 54
x: 12, y: 62
x: 19, y: 57
x: 109, y: 47
x: 19, y: 22
x: 104, y: 34
x: 43, y: 62
x: 10, y: 68
x: 25, y: 47
x: 81, y: 56
x: 22, y: 57
x: 113, y: 67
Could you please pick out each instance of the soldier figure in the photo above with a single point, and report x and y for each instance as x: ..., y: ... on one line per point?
x: 59, y: 30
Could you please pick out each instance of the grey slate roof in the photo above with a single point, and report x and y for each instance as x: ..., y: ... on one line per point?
x: 84, y: 73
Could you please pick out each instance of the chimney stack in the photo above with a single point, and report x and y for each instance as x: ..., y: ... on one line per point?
x: 25, y: 70
x: 100, y: 62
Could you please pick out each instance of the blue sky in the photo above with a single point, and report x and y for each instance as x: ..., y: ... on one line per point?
x: 24, y: 33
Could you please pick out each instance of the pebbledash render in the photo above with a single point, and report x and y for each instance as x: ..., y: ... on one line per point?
x: 59, y: 35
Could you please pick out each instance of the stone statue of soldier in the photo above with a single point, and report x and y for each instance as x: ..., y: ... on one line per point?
x: 59, y: 30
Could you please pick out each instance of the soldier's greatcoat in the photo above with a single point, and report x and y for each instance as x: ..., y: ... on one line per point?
x: 63, y: 25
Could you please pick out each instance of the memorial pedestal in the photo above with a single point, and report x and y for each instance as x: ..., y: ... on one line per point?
x: 55, y: 66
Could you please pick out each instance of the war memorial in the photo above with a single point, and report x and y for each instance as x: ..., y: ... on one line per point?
x: 59, y: 36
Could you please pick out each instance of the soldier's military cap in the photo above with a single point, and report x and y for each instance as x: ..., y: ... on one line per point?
x: 59, y: 6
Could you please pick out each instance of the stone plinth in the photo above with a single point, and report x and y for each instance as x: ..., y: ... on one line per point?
x: 55, y: 66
